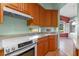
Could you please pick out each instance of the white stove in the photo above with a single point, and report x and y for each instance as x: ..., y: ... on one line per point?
x: 15, y: 44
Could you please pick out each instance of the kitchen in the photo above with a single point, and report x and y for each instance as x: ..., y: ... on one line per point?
x: 28, y: 29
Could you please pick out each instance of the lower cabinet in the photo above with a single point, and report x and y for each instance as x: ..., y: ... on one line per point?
x: 52, y: 41
x: 42, y: 47
x: 1, y: 52
x: 46, y: 44
x: 76, y: 52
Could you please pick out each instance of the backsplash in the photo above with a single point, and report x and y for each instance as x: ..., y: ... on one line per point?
x: 42, y: 29
x: 34, y: 29
x: 13, y: 25
x: 48, y: 29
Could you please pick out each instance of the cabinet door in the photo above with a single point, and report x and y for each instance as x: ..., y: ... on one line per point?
x: 20, y: 7
x: 1, y: 13
x: 1, y: 52
x: 54, y: 18
x: 31, y: 9
x: 26, y: 10
x: 34, y: 12
x: 42, y: 17
x: 48, y: 18
x: 40, y: 49
x: 53, y: 42
x: 43, y: 43
x: 45, y: 47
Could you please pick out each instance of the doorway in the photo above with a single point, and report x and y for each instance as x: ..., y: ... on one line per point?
x: 67, y: 13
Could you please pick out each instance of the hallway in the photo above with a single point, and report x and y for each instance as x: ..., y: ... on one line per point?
x: 67, y: 46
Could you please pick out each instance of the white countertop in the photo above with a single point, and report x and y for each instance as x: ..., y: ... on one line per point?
x: 8, y: 40
x: 2, y: 37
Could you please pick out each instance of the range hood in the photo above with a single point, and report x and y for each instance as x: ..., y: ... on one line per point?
x: 10, y: 11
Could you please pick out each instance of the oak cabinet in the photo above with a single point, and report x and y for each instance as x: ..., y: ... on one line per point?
x: 12, y: 5
x: 52, y: 43
x: 21, y: 7
x: 54, y: 20
x: 42, y: 47
x: 48, y: 18
x: 1, y: 52
x: 1, y: 13
x: 42, y: 20
x: 51, y: 18
x: 34, y: 12
x: 45, y: 45
x: 41, y: 17
x: 78, y: 52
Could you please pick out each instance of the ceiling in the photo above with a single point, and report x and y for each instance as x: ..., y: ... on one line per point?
x: 66, y: 9
x: 54, y: 6
x: 69, y: 10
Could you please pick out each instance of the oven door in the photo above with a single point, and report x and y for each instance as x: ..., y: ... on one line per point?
x: 25, y: 51
x: 30, y: 52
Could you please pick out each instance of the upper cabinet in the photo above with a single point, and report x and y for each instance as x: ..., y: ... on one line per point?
x: 12, y: 5
x: 34, y: 12
x: 1, y: 13
x: 48, y: 18
x: 52, y: 42
x: 42, y: 16
x: 21, y: 7
x: 54, y: 21
x: 51, y: 18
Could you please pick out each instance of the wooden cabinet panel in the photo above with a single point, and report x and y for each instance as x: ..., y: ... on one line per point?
x: 78, y: 52
x: 34, y: 12
x: 48, y: 18
x: 42, y: 47
x: 42, y: 16
x: 1, y: 13
x: 54, y: 20
x: 12, y: 5
x: 40, y: 50
x: 31, y: 9
x: 53, y: 42
x: 45, y: 45
x: 51, y: 18
x: 1, y: 52
x: 25, y: 8
x: 22, y: 7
